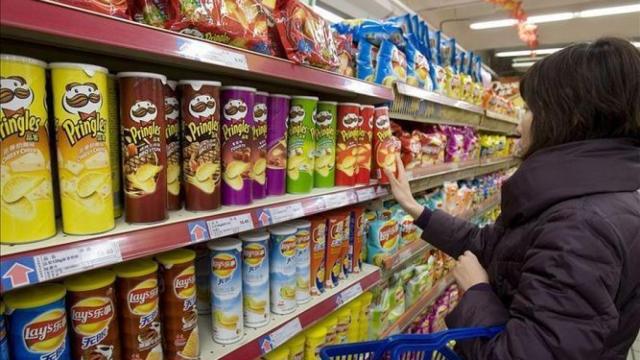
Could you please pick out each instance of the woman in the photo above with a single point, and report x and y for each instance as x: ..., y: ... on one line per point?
x: 561, y: 266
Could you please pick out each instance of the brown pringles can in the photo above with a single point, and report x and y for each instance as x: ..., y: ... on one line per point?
x: 172, y: 135
x: 144, y: 152
x: 201, y: 143
x: 178, y: 303
x: 93, y: 315
x: 138, y: 304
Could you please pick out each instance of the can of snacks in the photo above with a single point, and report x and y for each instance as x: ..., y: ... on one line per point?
x: 318, y: 243
x: 93, y: 314
x: 137, y: 294
x: 325, y: 162
x: 255, y: 278
x: 347, y: 143
x: 113, y: 128
x: 38, y: 322
x: 27, y: 205
x: 303, y: 259
x: 384, y: 146
x: 365, y: 136
x: 301, y: 144
x: 226, y: 290
x: 282, y: 268
x: 259, y: 150
x: 201, y: 143
x: 277, y: 117
x: 178, y: 304
x: 172, y: 135
x: 144, y: 150
x: 82, y: 112
x: 237, y: 144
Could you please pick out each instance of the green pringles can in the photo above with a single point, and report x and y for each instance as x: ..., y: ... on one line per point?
x: 324, y: 168
x: 301, y: 144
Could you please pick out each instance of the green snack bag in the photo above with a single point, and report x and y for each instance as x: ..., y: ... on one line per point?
x: 324, y: 173
x: 301, y: 144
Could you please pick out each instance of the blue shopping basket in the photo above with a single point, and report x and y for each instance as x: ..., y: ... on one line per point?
x: 408, y: 347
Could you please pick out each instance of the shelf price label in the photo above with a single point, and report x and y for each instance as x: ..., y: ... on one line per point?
x: 366, y: 194
x: 286, y: 212
x: 229, y: 225
x: 71, y: 261
x: 349, y: 294
x: 334, y: 201
x: 280, y: 336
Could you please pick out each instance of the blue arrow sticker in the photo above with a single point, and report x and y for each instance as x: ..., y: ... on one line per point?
x: 198, y: 231
x: 264, y: 217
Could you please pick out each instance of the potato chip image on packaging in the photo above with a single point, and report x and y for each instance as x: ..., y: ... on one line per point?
x: 326, y: 119
x: 82, y: 114
x: 26, y: 196
x: 174, y: 152
x: 317, y: 247
x: 301, y: 144
x: 226, y: 290
x: 347, y: 143
x: 282, y: 268
x: 259, y: 151
x: 255, y: 278
x: 303, y: 259
x: 383, y: 238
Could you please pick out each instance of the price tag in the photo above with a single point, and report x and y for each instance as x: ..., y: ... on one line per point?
x: 382, y: 191
x: 366, y: 194
x: 334, y: 201
x: 229, y: 225
x: 403, y: 256
x: 349, y: 294
x: 71, y: 261
x: 286, y: 212
x: 281, y: 335
x: 212, y: 54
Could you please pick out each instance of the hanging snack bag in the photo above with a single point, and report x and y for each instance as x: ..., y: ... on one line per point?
x: 365, y: 137
x: 366, y: 61
x: 277, y: 118
x: 325, y: 161
x: 318, y: 243
x: 305, y: 35
x: 392, y: 65
x: 173, y: 135
x: 259, y: 151
x: 347, y: 143
x: 26, y: 195
x: 346, y: 54
x: 418, y: 66
x: 385, y: 146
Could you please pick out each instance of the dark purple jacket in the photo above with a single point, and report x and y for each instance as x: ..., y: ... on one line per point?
x: 563, y: 258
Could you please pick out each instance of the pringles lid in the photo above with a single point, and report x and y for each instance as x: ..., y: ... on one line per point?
x: 135, y: 268
x: 174, y: 257
x: 300, y: 224
x: 199, y: 83
x: 328, y: 102
x: 225, y: 244
x: 233, y: 87
x: 305, y: 97
x: 85, y: 67
x: 262, y: 93
x: 91, y: 280
x: 35, y: 296
x: 280, y: 96
x: 283, y: 230
x: 23, y: 59
x: 254, y: 236
x: 142, y: 75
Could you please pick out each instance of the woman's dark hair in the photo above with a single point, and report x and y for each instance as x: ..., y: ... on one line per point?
x: 585, y: 91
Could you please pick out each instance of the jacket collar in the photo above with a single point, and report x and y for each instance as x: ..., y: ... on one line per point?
x: 571, y: 170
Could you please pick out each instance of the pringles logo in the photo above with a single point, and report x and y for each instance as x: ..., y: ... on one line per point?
x: 20, y: 125
x: 224, y: 265
x: 143, y: 299
x: 388, y: 234
x: 184, y: 285
x: 146, y: 132
x: 83, y: 100
x: 353, y: 134
x: 89, y: 316
x: 78, y: 130
x: 254, y: 254
x: 47, y: 332
x: 208, y: 128
x: 288, y: 246
x: 172, y: 130
x: 260, y: 130
x: 15, y: 98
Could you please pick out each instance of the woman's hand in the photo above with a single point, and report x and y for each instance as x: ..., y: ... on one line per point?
x: 468, y: 271
x: 401, y: 190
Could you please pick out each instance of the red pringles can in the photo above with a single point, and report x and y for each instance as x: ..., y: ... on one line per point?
x: 172, y: 134
x: 201, y: 143
x: 365, y: 135
x: 384, y: 145
x: 347, y: 143
x: 144, y: 151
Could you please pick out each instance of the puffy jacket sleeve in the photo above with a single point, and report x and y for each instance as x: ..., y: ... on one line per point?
x: 454, y: 236
x: 564, y: 305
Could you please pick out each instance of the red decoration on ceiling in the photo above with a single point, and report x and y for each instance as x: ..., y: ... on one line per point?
x: 528, y: 33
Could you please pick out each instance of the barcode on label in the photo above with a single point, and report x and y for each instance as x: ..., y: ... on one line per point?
x: 229, y: 225
x: 286, y: 212
x: 66, y: 262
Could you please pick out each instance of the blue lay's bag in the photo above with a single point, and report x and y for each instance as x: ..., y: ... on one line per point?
x: 404, y: 21
x: 383, y: 238
x: 418, y: 68
x: 392, y: 65
x: 373, y: 31
x: 366, y: 61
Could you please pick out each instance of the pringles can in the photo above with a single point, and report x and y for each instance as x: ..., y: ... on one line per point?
x: 173, y: 135
x: 226, y: 290
x: 259, y: 150
x: 318, y: 243
x: 26, y: 195
x: 384, y: 146
x: 144, y: 149
x: 113, y: 127
x: 365, y: 136
x: 303, y: 259
x: 301, y: 144
x: 178, y: 304
x: 138, y: 301
x: 347, y: 143
x: 94, y: 318
x: 282, y: 268
x: 325, y: 162
x: 84, y: 168
x: 201, y: 147
x: 38, y: 323
x: 237, y: 144
x: 277, y: 117
x: 255, y: 278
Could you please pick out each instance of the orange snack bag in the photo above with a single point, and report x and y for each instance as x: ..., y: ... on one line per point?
x: 333, y: 249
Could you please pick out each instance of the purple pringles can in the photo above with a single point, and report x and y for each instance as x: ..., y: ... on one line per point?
x: 259, y: 149
x: 277, y: 119
x: 237, y: 144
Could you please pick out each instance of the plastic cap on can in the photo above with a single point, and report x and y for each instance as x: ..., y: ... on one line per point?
x: 90, y: 280
x: 126, y: 74
x: 79, y: 66
x: 258, y: 235
x: 300, y: 223
x: 34, y: 296
x: 225, y: 244
x: 283, y: 229
x: 280, y: 96
x: 235, y: 87
x: 262, y: 93
x: 23, y: 59
x: 135, y: 268
x: 177, y: 256
x: 199, y: 83
x: 305, y: 97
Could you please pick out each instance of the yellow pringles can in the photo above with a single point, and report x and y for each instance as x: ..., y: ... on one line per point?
x: 26, y: 195
x: 81, y: 108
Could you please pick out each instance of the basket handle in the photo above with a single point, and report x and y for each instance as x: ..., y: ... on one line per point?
x: 442, y: 338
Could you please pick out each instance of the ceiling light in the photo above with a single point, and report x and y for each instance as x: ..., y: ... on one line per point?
x: 327, y: 15
x: 538, y: 19
x: 523, y: 64
x: 493, y: 24
x: 527, y: 52
x: 525, y: 59
x: 615, y: 10
x: 636, y: 43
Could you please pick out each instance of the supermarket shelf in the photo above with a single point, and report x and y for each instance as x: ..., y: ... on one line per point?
x: 501, y: 117
x: 63, y: 27
x: 415, y: 92
x: 410, y: 314
x: 283, y: 327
